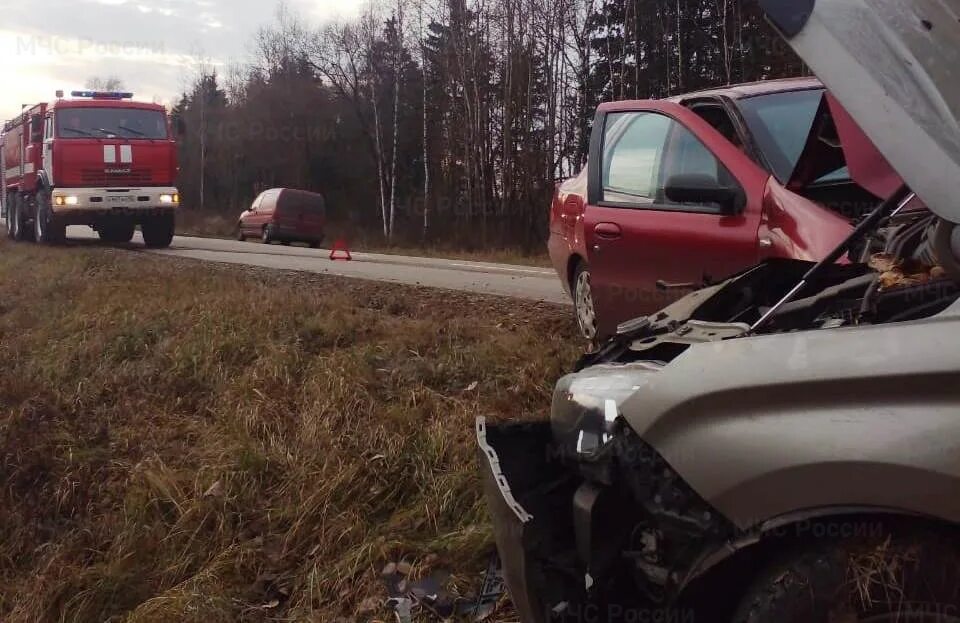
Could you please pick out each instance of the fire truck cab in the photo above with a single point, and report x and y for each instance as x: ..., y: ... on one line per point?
x: 97, y: 159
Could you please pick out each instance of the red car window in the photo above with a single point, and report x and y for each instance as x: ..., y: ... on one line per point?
x: 632, y: 152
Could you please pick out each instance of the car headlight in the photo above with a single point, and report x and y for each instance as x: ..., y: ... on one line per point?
x: 65, y: 200
x: 174, y: 198
x: 586, y: 405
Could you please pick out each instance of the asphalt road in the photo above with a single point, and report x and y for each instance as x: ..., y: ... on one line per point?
x: 523, y: 282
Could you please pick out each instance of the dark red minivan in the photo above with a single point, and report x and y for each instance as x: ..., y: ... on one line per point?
x: 285, y: 215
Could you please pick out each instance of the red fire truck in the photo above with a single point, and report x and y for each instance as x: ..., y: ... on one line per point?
x: 96, y: 159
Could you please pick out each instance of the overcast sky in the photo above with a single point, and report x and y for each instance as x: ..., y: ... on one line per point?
x: 154, y: 46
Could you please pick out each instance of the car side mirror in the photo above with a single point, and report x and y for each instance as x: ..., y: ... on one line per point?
x: 698, y: 188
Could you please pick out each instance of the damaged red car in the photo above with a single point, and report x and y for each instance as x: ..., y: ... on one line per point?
x: 684, y: 192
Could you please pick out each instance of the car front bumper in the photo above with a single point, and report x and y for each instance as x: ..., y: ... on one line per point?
x: 528, y: 495
x: 113, y: 200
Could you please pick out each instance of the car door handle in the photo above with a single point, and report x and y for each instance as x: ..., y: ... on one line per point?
x: 607, y: 231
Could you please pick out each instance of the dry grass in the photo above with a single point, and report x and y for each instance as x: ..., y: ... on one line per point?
x: 181, y: 442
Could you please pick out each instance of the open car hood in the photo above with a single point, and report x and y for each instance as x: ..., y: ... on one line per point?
x: 835, y: 141
x: 894, y: 66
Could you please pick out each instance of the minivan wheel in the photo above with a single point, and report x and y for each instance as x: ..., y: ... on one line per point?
x: 583, y: 302
x: 267, y: 234
x: 911, y: 578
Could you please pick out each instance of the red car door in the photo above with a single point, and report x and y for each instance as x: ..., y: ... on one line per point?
x: 636, y: 235
x: 248, y: 222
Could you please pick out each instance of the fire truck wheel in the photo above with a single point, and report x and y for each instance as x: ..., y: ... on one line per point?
x: 47, y: 228
x: 11, y: 217
x: 20, y: 230
x: 158, y: 231
x: 117, y: 233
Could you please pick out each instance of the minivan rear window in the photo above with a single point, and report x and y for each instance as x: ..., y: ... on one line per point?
x: 302, y: 201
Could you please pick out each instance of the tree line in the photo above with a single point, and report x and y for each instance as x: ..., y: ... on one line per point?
x: 450, y: 120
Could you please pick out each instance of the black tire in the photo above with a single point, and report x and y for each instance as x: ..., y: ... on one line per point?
x: 891, y: 578
x: 20, y: 232
x: 583, y: 302
x: 120, y: 232
x: 158, y: 231
x: 240, y: 235
x: 12, y: 223
x: 7, y: 221
x: 314, y: 244
x: 48, y: 229
x: 268, y: 235
x: 25, y: 225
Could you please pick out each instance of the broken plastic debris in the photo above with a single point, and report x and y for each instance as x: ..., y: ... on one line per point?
x: 215, y: 490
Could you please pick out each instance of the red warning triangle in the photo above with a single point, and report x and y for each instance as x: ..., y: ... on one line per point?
x: 340, y: 245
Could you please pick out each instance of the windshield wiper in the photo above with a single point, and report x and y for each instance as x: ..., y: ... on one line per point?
x: 78, y: 131
x: 131, y: 130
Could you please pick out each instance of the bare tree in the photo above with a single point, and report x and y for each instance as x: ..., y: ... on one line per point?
x: 426, y: 143
x: 398, y: 50
x: 340, y: 53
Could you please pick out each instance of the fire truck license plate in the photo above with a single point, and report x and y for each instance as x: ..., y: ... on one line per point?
x: 120, y: 199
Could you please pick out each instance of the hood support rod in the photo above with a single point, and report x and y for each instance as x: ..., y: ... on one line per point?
x: 895, y: 203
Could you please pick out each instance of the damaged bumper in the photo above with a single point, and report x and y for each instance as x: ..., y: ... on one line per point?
x: 587, y: 533
x: 527, y: 494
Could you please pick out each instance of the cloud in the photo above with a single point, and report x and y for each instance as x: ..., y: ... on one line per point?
x: 155, y: 47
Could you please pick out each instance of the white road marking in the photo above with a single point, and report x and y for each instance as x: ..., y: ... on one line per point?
x: 509, y: 269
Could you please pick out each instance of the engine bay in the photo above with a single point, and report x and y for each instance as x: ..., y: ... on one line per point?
x: 906, y: 268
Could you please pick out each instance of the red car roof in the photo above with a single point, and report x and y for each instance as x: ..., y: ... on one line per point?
x: 733, y: 91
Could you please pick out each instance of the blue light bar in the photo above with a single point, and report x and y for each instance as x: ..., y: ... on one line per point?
x: 102, y: 95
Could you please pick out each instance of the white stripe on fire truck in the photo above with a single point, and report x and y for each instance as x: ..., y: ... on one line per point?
x: 126, y: 154
x: 109, y: 154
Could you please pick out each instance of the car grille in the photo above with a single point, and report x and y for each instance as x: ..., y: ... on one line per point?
x: 99, y: 177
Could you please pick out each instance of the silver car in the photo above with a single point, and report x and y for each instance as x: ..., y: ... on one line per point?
x: 783, y: 447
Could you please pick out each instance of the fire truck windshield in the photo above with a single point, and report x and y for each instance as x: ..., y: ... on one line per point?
x: 128, y: 123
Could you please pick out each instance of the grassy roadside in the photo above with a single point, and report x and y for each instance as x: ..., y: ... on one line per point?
x: 184, y: 442
x: 216, y: 225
